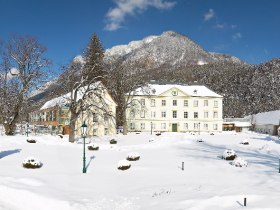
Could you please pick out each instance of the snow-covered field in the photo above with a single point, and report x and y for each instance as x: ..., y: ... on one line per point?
x: 156, y: 181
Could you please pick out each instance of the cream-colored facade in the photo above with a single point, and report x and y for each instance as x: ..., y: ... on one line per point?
x: 100, y: 122
x: 100, y: 116
x: 176, y: 108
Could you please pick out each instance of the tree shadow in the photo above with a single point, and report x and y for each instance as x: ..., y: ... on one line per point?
x: 91, y: 158
x: 8, y: 152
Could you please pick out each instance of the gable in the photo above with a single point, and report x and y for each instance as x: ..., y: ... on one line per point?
x: 173, y: 92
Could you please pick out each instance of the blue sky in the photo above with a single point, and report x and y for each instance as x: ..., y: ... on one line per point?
x: 248, y: 29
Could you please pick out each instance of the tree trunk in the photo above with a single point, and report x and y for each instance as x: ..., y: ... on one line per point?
x: 125, y: 129
x: 9, y: 129
x: 73, y: 120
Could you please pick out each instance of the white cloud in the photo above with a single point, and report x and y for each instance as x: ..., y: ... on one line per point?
x: 209, y: 15
x: 116, y: 16
x: 237, y: 36
x: 220, y: 26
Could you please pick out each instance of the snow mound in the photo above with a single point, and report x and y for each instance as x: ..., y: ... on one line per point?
x: 31, y: 162
x: 93, y: 146
x: 133, y: 156
x: 245, y: 142
x: 124, y: 165
x: 229, y: 154
x: 31, y: 140
x: 113, y: 141
x: 239, y: 162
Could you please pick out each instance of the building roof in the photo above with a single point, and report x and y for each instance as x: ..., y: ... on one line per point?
x: 268, y: 118
x: 191, y: 90
x: 65, y: 99
x: 59, y: 101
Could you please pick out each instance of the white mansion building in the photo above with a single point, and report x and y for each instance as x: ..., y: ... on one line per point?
x: 175, y: 108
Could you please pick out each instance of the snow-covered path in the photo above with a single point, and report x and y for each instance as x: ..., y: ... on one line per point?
x: 156, y: 181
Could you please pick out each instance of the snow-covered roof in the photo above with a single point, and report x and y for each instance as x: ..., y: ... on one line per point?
x: 191, y: 90
x: 271, y: 118
x: 64, y: 99
x: 242, y: 124
x: 59, y: 101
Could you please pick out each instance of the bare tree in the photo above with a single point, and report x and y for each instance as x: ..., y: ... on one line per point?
x: 122, y: 82
x: 23, y: 66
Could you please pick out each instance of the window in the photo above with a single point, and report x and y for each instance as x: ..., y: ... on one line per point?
x: 132, y: 126
x: 186, y: 103
x: 186, y: 126
x: 153, y: 126
x: 205, y: 114
x: 142, y: 126
x: 163, y: 102
x: 153, y: 102
x: 174, y: 114
x: 216, y: 104
x: 163, y: 126
x: 205, y: 126
x: 153, y: 114
x: 185, y: 114
x: 106, y: 131
x: 205, y: 102
x: 163, y: 114
x: 142, y: 102
x: 142, y: 114
x: 195, y: 114
x: 132, y: 114
x: 106, y: 117
x: 195, y: 103
x: 215, y: 126
x: 196, y: 126
x: 215, y: 115
x: 95, y: 117
x: 174, y: 102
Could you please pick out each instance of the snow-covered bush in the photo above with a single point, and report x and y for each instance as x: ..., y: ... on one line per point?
x: 158, y: 134
x: 93, y: 147
x: 31, y: 162
x: 113, y: 141
x: 124, y: 165
x: 229, y: 154
x: 199, y: 140
x: 244, y: 142
x: 29, y: 140
x: 239, y: 162
x: 133, y: 156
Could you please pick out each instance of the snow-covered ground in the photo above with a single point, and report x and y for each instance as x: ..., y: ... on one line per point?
x: 155, y: 181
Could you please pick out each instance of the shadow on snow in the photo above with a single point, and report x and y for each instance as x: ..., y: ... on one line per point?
x: 8, y: 152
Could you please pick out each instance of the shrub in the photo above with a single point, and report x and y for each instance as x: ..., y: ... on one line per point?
x: 113, y: 141
x: 229, y: 155
x: 158, y: 134
x: 239, y: 162
x: 123, y: 165
x: 31, y: 140
x: 31, y: 162
x: 245, y: 142
x: 199, y: 140
x: 133, y: 156
x: 93, y: 147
